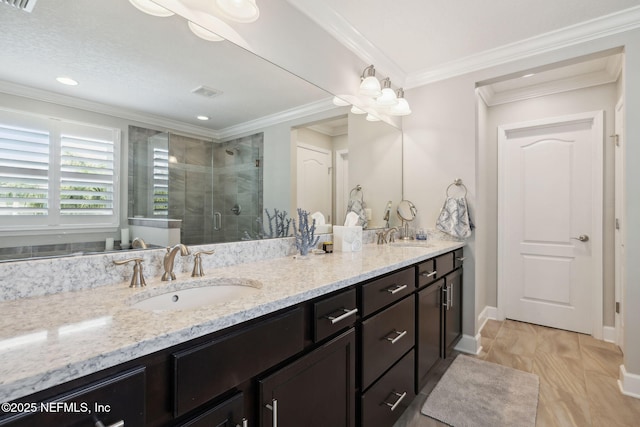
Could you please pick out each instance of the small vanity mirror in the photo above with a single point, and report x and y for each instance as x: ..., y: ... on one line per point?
x: 407, y: 212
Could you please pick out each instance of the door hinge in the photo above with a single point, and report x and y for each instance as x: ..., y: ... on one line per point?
x: 617, y: 307
x: 616, y: 139
x: 617, y: 224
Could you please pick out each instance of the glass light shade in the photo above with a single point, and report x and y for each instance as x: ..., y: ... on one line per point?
x: 356, y: 110
x: 67, y: 81
x: 244, y: 11
x: 401, y: 108
x: 340, y: 102
x: 203, y: 33
x: 370, y: 86
x: 151, y: 8
x: 372, y: 118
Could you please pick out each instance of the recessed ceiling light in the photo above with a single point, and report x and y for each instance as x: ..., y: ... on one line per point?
x: 528, y: 75
x: 203, y: 118
x: 67, y: 81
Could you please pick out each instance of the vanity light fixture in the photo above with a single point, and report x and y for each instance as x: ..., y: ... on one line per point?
x: 67, y: 81
x: 356, y: 110
x: 203, y: 33
x: 369, y: 84
x: 371, y: 118
x: 243, y: 11
x: 151, y: 8
x: 339, y: 102
x: 402, y: 107
x: 388, y: 97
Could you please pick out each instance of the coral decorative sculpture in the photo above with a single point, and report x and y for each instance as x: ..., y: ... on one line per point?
x: 305, y: 234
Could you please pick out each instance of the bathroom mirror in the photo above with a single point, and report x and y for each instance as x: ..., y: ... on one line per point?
x: 154, y: 73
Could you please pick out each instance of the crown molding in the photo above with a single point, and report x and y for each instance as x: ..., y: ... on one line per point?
x: 273, y: 119
x: 492, y: 98
x: 96, y: 107
x: 604, y: 26
x: 331, y: 131
x: 336, y: 25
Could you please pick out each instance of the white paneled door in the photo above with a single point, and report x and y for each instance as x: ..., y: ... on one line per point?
x: 314, y: 180
x: 550, y: 222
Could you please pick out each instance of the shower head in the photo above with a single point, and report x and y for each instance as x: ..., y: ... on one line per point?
x: 229, y: 152
x: 235, y: 151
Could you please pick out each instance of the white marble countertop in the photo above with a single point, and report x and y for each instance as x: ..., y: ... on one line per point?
x: 49, y: 340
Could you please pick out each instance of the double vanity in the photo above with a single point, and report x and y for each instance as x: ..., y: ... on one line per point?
x: 342, y: 339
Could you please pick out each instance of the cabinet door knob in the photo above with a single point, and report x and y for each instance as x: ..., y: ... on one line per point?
x: 274, y: 411
x: 394, y: 405
x: 346, y: 314
x: 395, y: 339
x: 396, y: 288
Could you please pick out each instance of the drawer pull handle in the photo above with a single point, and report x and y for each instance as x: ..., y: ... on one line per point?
x: 397, y: 337
x: 346, y: 314
x: 116, y: 424
x: 394, y: 405
x: 274, y: 409
x: 461, y: 258
x: 425, y: 274
x: 445, y: 297
x: 396, y: 289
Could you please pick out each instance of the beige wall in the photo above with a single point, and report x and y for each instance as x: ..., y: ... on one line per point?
x: 440, y: 145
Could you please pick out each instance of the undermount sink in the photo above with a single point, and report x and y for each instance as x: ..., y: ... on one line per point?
x: 208, y: 292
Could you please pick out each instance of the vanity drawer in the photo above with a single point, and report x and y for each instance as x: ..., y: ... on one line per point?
x: 119, y: 398
x: 458, y: 258
x: 228, y: 413
x: 426, y: 272
x: 333, y: 314
x: 444, y: 264
x: 388, y: 398
x: 384, y: 291
x: 385, y: 338
x: 208, y: 370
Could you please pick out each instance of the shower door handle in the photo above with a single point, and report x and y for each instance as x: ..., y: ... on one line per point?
x: 217, y: 221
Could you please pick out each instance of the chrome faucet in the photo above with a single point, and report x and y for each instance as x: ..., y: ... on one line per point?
x: 169, y: 257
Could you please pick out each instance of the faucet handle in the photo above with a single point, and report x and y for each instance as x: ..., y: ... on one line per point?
x: 197, y: 263
x: 137, y: 280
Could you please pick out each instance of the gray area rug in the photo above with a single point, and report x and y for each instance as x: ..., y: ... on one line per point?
x: 475, y: 393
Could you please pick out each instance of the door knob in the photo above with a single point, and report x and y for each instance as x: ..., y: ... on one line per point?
x: 582, y: 238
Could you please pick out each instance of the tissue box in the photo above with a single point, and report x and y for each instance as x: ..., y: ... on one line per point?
x: 347, y: 239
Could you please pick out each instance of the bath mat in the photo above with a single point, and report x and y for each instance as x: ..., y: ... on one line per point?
x: 475, y: 393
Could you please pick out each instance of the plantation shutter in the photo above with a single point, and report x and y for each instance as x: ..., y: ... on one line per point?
x: 86, y: 170
x: 160, y: 181
x: 24, y: 169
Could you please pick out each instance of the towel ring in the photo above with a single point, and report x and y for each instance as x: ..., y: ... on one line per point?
x: 357, y: 188
x: 457, y: 183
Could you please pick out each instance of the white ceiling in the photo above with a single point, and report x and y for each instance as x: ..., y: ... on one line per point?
x: 148, y: 65
x: 417, y: 37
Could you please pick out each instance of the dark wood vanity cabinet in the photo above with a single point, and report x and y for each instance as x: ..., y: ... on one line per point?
x: 355, y: 358
x: 316, y: 390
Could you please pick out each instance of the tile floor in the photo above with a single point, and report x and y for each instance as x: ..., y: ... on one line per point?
x: 578, y: 376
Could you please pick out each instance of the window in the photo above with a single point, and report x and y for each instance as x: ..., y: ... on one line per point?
x: 57, y: 174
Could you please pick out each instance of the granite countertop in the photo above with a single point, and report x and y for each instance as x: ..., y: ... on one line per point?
x: 49, y: 340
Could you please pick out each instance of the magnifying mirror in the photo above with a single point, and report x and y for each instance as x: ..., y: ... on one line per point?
x: 406, y: 212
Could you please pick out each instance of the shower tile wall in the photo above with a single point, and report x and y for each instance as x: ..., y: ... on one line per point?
x: 237, y: 180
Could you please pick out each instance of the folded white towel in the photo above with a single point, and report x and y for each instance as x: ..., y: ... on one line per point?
x: 454, y: 218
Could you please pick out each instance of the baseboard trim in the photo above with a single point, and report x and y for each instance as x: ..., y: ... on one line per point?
x: 629, y: 383
x: 486, y: 314
x: 469, y: 344
x: 609, y: 334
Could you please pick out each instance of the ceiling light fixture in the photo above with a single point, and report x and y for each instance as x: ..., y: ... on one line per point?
x: 388, y: 97
x: 369, y: 84
x: 243, y: 11
x: 151, y: 8
x: 67, y: 81
x: 203, y: 33
x: 402, y: 107
x: 203, y: 118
